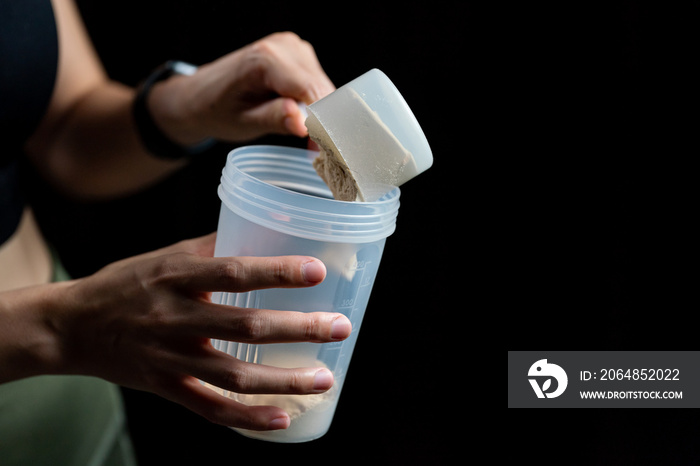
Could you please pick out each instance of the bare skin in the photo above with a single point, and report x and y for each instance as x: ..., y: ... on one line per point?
x: 87, y: 145
x: 145, y: 322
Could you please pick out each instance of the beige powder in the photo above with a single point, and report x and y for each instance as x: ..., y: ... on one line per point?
x: 336, y: 175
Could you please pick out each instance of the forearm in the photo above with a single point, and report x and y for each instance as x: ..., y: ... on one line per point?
x: 28, y: 342
x: 87, y: 144
x: 95, y: 150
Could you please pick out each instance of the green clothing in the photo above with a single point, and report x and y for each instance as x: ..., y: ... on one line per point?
x: 63, y: 421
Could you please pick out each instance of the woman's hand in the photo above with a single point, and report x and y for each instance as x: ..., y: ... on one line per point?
x: 145, y: 323
x: 245, y: 94
x: 88, y: 147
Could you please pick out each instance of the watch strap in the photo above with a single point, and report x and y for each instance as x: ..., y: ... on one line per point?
x: 155, y: 141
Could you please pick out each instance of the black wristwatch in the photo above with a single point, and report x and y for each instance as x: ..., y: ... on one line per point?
x: 152, y: 137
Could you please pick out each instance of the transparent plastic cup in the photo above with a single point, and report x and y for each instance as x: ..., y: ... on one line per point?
x: 274, y: 203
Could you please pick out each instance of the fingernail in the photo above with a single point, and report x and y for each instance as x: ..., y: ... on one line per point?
x: 314, y: 271
x: 341, y: 328
x: 302, y: 110
x: 323, y: 380
x: 279, y: 423
x: 295, y: 126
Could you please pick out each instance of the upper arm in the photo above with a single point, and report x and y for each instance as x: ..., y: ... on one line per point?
x: 79, y: 72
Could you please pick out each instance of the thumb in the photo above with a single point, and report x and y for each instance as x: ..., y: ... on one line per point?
x: 281, y: 116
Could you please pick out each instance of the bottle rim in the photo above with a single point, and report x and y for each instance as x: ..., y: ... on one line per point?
x: 278, y: 188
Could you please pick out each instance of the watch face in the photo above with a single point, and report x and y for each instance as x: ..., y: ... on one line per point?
x: 181, y: 67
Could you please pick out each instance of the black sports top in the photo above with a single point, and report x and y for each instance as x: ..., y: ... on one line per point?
x: 28, y: 63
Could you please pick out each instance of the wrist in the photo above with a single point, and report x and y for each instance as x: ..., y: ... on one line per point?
x: 171, y: 112
x: 164, y: 120
x: 30, y: 343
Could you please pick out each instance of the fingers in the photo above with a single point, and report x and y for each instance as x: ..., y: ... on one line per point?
x: 238, y: 274
x: 224, y: 372
x: 294, y: 118
x: 255, y: 90
x: 181, y: 272
x: 229, y: 373
x: 293, y: 67
x: 191, y: 394
x: 292, y: 71
x: 264, y: 325
x: 280, y: 116
x: 198, y: 275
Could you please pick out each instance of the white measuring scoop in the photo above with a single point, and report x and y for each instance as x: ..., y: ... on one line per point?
x: 368, y: 125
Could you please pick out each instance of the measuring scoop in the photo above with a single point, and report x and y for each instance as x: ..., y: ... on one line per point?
x: 368, y: 126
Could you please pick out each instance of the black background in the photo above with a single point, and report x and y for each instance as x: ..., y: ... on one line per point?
x: 557, y: 215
